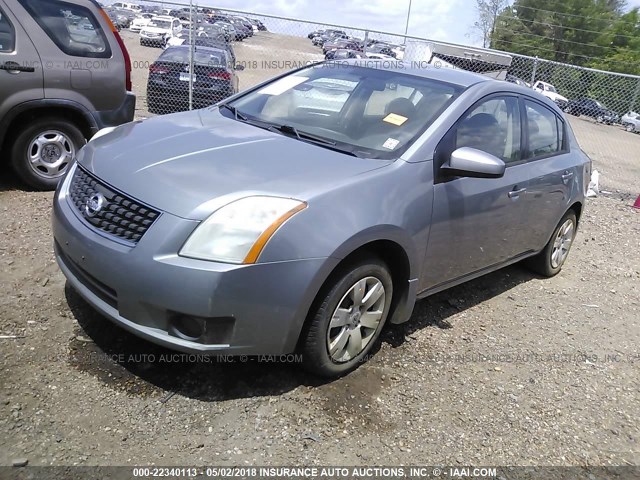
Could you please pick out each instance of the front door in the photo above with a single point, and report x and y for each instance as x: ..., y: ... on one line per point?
x: 479, y: 222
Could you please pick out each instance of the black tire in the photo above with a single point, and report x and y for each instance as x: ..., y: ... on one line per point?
x: 40, y: 179
x: 314, y: 341
x: 542, y: 263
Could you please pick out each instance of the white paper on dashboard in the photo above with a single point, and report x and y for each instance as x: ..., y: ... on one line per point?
x: 280, y: 86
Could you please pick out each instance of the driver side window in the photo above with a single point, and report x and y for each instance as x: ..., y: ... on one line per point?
x: 493, y: 126
x: 7, y: 34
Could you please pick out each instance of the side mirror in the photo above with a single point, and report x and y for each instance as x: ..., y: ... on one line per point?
x: 471, y: 162
x: 239, y: 67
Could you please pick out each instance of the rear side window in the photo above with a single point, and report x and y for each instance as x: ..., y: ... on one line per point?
x: 545, y: 130
x: 7, y: 34
x: 74, y: 29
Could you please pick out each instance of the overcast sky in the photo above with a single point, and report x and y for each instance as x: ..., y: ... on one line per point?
x: 445, y: 20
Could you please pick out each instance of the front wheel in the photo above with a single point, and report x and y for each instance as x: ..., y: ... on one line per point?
x: 550, y: 260
x: 630, y: 127
x: 43, y: 152
x: 345, y: 323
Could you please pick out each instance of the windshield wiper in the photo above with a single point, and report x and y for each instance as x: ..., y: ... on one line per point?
x: 301, y: 135
x: 305, y: 136
x: 234, y: 110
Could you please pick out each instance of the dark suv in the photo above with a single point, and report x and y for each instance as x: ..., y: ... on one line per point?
x: 64, y: 74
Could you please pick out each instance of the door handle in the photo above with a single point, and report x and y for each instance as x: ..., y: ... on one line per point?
x: 15, y: 68
x: 567, y: 176
x: 516, y: 193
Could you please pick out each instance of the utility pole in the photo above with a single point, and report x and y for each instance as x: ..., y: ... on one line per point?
x: 406, y: 28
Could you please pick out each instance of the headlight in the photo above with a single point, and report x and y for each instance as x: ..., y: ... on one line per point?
x: 102, y: 132
x: 237, y: 232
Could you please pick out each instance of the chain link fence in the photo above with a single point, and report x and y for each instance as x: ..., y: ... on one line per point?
x: 191, y: 56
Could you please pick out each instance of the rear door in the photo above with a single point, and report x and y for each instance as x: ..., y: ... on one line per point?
x: 554, y: 171
x: 479, y: 222
x: 83, y: 61
x: 21, y: 77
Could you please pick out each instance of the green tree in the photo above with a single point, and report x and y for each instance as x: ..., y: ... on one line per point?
x: 580, y: 32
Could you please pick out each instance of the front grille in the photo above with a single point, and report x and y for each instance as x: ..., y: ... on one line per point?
x: 119, y: 215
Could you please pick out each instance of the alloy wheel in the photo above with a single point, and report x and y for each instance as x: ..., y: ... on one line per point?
x: 356, y: 320
x: 562, y: 243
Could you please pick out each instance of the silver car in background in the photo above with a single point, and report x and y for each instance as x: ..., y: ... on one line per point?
x: 305, y: 213
x: 631, y: 122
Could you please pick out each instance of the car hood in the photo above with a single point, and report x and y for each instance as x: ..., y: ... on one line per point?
x: 190, y: 164
x: 555, y: 96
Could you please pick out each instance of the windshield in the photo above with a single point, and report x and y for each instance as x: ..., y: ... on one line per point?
x: 369, y: 112
x: 160, y: 24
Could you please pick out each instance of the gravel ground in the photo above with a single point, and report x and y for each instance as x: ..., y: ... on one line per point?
x: 510, y: 369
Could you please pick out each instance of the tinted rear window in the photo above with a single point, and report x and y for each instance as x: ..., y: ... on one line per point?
x: 74, y: 29
x: 200, y: 57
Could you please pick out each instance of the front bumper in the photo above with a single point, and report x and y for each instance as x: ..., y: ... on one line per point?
x: 147, y: 288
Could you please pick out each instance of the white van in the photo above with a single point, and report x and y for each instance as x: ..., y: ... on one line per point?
x: 127, y: 6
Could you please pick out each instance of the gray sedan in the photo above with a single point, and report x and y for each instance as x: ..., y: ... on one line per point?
x: 304, y: 214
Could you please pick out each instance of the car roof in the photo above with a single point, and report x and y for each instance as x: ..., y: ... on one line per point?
x: 459, y: 77
x: 163, y: 17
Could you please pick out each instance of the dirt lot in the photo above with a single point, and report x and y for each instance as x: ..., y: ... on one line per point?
x: 508, y: 369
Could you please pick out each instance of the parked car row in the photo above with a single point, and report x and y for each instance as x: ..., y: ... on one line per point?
x: 583, y: 106
x: 336, y: 44
x: 158, y: 30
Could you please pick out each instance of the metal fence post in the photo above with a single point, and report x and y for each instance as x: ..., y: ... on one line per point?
x: 366, y: 40
x: 533, y: 73
x: 191, y: 52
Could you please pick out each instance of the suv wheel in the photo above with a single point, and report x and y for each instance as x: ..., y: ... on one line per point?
x: 43, y: 152
x: 348, y: 319
x: 549, y: 261
x: 600, y: 119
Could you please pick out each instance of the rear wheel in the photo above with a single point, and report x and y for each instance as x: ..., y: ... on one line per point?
x: 629, y: 127
x: 549, y: 261
x: 347, y: 319
x: 600, y: 119
x: 43, y: 152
